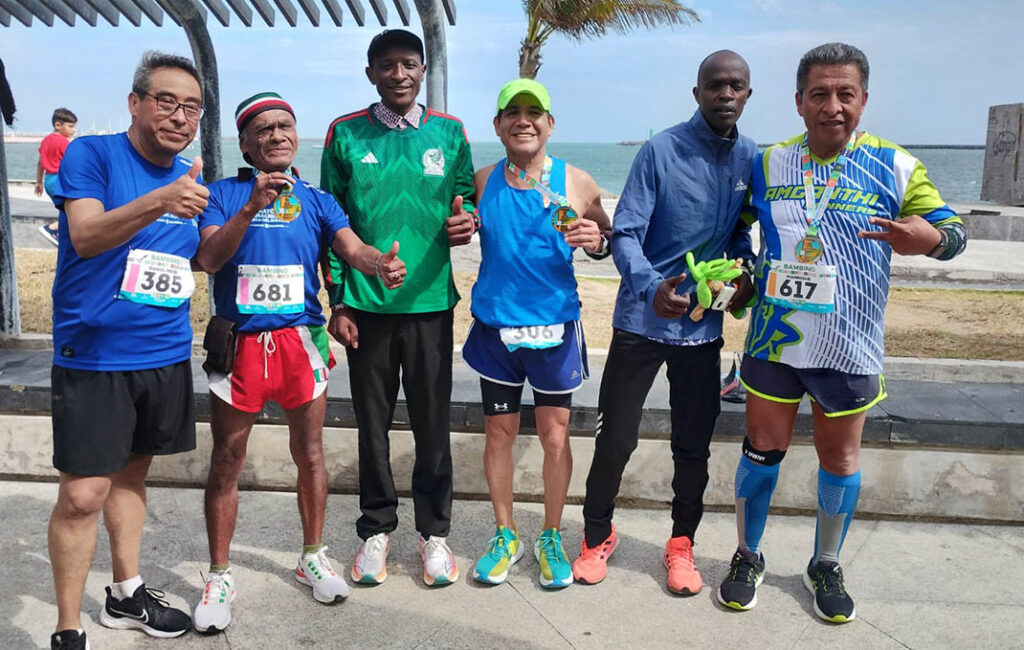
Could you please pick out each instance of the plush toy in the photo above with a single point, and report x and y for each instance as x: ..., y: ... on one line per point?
x: 711, y: 277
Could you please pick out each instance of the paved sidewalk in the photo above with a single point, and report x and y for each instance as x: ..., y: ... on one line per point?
x: 916, y: 585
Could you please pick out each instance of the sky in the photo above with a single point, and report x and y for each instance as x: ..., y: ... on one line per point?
x: 936, y: 67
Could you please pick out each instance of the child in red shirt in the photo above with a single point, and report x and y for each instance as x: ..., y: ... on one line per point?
x: 51, y: 151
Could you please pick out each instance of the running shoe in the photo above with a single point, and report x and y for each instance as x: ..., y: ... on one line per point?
x: 503, y: 551
x: 145, y: 610
x: 746, y: 573
x: 371, y: 564
x: 831, y: 602
x: 439, y: 567
x: 555, y: 569
x: 48, y: 233
x: 213, y: 612
x: 592, y: 564
x: 69, y: 640
x: 315, y: 570
x: 683, y: 577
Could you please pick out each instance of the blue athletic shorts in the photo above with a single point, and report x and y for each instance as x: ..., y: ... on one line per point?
x: 837, y: 393
x: 560, y: 369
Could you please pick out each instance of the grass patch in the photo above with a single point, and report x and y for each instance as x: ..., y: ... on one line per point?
x: 928, y: 323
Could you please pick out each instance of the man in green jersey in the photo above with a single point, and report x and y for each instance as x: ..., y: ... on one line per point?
x: 402, y: 172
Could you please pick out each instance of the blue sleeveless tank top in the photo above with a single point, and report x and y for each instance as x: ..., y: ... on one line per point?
x: 526, y: 274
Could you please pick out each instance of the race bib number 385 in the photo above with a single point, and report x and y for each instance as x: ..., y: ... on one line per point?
x: 160, y: 279
x: 807, y: 287
x: 264, y: 289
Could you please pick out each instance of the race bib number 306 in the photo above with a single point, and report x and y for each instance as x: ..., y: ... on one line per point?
x: 536, y: 337
x: 159, y: 279
x: 807, y: 287
x: 264, y: 289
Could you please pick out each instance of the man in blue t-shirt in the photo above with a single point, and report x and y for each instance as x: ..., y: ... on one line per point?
x: 122, y: 379
x: 262, y: 236
x: 683, y: 194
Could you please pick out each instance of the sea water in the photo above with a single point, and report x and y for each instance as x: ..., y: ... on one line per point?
x: 956, y: 172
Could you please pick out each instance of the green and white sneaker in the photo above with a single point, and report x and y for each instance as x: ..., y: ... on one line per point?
x: 213, y: 611
x: 555, y: 568
x: 503, y: 551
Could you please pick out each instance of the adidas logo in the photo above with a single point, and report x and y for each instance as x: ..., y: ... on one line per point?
x: 575, y: 374
x: 371, y: 159
x: 740, y: 186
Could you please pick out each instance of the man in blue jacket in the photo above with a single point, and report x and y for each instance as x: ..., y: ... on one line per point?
x: 684, y: 193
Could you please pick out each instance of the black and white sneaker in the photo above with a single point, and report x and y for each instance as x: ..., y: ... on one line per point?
x: 145, y: 610
x: 69, y: 640
x: 831, y: 602
x: 739, y: 589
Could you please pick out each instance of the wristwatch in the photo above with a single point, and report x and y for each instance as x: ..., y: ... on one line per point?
x: 603, y: 252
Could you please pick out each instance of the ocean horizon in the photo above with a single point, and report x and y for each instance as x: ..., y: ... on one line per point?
x: 956, y: 170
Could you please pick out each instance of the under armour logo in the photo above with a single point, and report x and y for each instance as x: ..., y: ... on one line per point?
x: 501, y: 408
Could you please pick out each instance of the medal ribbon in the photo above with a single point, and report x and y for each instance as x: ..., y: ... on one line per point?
x: 815, y: 209
x: 549, y: 194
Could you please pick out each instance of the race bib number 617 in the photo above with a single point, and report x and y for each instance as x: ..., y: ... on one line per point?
x: 807, y: 287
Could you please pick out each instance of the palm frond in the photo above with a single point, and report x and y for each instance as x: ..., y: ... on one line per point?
x: 580, y: 19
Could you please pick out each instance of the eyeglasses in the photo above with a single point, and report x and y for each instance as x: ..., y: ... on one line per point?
x: 169, y: 106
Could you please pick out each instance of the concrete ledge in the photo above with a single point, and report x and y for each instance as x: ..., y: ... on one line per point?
x: 914, y: 482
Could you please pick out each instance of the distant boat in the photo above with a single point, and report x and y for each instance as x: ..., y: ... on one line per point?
x: 633, y: 143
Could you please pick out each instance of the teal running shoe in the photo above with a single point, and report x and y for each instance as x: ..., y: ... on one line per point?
x: 555, y: 569
x: 503, y: 551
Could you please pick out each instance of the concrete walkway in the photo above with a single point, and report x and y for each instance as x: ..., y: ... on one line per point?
x: 916, y: 585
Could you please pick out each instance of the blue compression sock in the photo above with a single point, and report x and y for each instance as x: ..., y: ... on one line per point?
x: 837, y: 500
x: 755, y: 484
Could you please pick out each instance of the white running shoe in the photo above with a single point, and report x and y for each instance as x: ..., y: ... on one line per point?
x: 371, y: 564
x: 439, y: 567
x: 316, y: 571
x: 213, y: 612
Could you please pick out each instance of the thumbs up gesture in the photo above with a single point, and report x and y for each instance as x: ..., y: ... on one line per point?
x: 460, y: 225
x: 668, y: 303
x: 185, y: 198
x: 391, y: 268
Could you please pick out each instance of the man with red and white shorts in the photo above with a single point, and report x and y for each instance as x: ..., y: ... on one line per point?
x: 263, y: 235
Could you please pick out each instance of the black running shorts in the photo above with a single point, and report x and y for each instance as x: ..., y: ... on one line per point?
x: 101, y: 418
x: 837, y: 393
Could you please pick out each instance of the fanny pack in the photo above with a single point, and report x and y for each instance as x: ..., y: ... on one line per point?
x: 219, y: 344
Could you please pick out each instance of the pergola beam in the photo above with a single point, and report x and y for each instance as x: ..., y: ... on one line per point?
x: 219, y: 10
x: 5, y: 17
x: 380, y: 10
x: 243, y: 11
x: 129, y: 10
x: 311, y: 10
x: 403, y: 11
x: 334, y: 10
x: 288, y: 11
x: 356, y: 7
x: 104, y: 8
x: 152, y: 11
x: 87, y: 13
x: 61, y: 10
x: 265, y: 11
x: 39, y: 10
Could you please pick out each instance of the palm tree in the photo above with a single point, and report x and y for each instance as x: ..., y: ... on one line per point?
x: 581, y: 19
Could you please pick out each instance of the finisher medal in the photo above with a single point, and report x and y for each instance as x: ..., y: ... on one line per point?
x: 809, y: 249
x: 562, y: 217
x: 287, y: 206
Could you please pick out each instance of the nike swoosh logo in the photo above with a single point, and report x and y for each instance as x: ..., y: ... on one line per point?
x: 144, y: 618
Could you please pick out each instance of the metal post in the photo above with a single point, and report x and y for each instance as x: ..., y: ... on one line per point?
x: 194, y: 24
x: 10, y: 315
x: 432, y: 19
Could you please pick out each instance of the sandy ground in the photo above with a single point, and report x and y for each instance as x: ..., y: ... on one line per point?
x: 929, y: 323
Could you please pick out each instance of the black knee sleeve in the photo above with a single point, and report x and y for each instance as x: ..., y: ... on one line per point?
x: 769, y: 458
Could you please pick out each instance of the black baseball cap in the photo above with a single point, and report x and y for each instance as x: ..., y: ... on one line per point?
x: 392, y: 38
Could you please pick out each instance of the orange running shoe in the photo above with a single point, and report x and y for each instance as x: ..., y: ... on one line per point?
x: 683, y: 577
x: 592, y: 564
